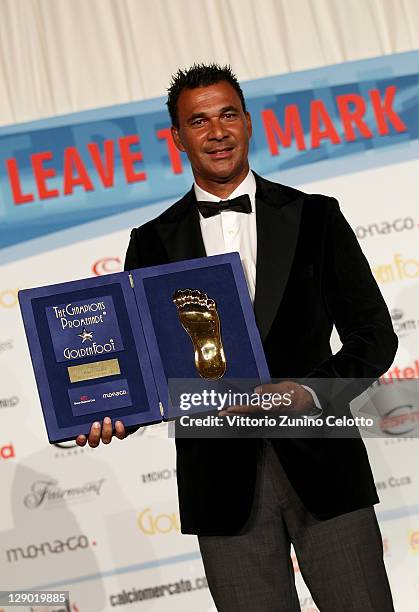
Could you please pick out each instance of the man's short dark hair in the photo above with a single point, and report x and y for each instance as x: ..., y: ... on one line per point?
x: 199, y: 75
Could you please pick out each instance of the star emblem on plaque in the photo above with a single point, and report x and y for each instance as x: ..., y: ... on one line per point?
x: 86, y: 335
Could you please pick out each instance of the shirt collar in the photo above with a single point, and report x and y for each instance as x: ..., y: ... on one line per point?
x: 247, y: 186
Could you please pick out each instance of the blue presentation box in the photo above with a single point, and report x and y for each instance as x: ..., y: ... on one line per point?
x: 109, y: 345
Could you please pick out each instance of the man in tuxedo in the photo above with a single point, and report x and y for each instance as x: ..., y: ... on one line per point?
x: 248, y: 500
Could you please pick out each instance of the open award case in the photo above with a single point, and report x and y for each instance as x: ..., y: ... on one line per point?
x: 107, y: 346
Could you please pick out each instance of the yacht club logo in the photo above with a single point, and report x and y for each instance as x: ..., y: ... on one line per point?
x: 403, y: 325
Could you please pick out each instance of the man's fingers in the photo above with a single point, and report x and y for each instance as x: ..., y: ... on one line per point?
x: 102, y: 432
x: 119, y: 430
x: 106, y: 430
x: 81, y: 440
x: 94, y: 435
x: 281, y: 387
x: 242, y: 410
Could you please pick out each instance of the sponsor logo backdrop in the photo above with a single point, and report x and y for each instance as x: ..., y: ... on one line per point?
x: 104, y: 523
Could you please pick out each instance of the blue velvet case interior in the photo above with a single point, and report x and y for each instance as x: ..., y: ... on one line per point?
x: 174, y: 344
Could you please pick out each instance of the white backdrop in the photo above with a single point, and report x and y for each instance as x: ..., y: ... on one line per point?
x: 64, y: 56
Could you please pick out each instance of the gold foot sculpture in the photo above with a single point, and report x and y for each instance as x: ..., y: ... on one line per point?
x: 199, y: 317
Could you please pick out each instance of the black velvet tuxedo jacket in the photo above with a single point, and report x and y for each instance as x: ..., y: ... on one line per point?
x: 310, y: 274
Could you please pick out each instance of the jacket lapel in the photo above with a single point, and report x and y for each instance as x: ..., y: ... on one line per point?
x: 278, y: 213
x: 180, y: 230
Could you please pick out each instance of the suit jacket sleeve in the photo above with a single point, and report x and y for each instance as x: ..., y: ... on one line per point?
x: 133, y: 255
x: 357, y: 308
x: 144, y: 249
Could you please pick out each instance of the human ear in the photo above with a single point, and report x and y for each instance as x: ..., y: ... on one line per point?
x: 249, y: 124
x: 176, y: 138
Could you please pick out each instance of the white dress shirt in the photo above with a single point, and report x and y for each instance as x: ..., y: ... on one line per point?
x: 234, y: 231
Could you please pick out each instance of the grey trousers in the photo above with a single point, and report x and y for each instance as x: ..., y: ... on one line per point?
x: 341, y: 559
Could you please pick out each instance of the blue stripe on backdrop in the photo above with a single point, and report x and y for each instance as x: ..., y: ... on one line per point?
x: 137, y: 567
x: 138, y: 216
x: 388, y: 515
x: 107, y: 166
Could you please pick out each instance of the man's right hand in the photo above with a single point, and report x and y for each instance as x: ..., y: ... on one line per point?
x: 102, y: 432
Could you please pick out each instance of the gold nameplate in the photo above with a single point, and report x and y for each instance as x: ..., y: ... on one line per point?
x: 96, y: 369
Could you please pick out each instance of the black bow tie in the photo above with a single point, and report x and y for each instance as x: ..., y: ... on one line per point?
x: 240, y: 204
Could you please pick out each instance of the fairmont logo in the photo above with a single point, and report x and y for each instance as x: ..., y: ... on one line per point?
x: 49, y: 492
x: 7, y: 452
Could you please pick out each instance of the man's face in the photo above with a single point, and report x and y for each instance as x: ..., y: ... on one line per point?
x: 214, y: 131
